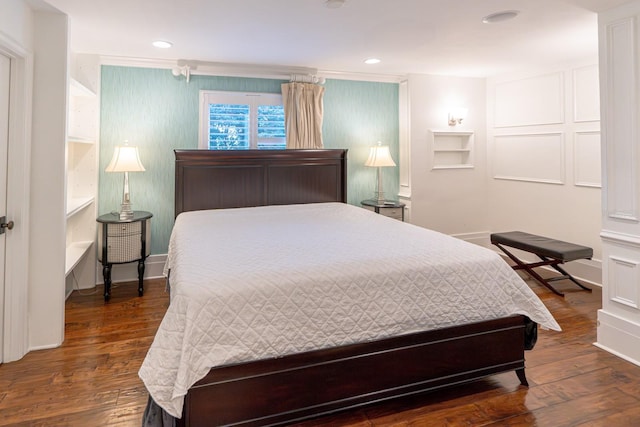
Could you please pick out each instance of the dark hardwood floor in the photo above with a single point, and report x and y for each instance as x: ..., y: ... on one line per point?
x: 91, y: 380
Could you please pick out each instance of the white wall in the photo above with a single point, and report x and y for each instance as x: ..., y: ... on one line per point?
x: 16, y: 21
x: 452, y: 201
x: 40, y: 32
x: 544, y: 157
x: 47, y: 246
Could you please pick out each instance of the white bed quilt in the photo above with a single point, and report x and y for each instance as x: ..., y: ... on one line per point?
x: 255, y: 283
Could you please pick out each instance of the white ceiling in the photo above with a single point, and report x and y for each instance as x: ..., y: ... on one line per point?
x: 409, y: 36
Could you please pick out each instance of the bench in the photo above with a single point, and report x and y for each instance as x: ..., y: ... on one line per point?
x: 551, y: 252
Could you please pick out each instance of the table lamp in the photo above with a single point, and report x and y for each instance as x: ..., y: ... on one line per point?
x: 379, y: 156
x: 125, y: 159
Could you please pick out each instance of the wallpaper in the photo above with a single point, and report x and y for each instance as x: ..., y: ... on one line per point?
x: 157, y: 112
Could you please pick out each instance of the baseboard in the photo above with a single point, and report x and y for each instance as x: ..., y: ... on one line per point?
x: 619, y: 336
x: 154, y: 267
x: 480, y: 238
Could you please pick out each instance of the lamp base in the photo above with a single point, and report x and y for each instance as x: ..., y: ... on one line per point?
x: 379, y: 198
x: 126, y: 214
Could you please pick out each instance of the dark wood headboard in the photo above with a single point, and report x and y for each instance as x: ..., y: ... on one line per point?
x: 214, y: 179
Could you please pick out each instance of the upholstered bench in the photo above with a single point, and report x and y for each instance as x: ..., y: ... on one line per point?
x: 551, y: 252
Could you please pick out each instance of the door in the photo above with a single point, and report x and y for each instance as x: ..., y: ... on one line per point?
x: 5, y: 74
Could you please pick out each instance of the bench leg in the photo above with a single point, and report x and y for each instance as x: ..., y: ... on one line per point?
x: 529, y: 269
x: 568, y: 276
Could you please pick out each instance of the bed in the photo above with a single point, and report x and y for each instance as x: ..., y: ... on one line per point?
x: 333, y: 306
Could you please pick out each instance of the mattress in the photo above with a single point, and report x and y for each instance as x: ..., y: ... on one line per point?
x: 264, y: 282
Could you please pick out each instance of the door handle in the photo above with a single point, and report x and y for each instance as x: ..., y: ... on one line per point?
x: 3, y: 224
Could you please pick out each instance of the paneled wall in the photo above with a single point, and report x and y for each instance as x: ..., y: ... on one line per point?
x: 619, y: 318
x: 544, y: 157
x: 158, y: 112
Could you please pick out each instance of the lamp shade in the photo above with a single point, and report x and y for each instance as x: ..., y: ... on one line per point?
x: 125, y: 159
x: 379, y: 156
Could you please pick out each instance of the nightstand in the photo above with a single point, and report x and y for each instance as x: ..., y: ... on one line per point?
x: 123, y: 241
x: 389, y: 208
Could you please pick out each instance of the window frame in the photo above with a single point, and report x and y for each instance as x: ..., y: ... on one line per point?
x: 253, y: 99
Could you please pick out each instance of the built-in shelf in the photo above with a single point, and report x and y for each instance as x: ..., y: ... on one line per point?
x: 452, y: 149
x: 81, y: 186
x: 75, y: 252
x: 76, y: 204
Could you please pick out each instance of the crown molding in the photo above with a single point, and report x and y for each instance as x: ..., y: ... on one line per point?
x: 245, y: 70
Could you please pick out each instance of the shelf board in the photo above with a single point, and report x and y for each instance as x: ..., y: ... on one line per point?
x: 76, y: 204
x: 75, y: 252
x: 452, y: 132
x: 456, y: 166
x: 80, y: 140
x: 78, y: 89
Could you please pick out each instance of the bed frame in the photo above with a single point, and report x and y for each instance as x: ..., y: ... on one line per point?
x: 302, y: 386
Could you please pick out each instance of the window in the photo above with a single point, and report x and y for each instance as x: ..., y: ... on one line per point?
x: 241, y: 120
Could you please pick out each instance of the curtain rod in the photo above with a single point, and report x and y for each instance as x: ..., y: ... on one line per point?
x: 306, y: 78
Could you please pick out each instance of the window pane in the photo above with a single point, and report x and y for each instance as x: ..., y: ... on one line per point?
x: 228, y: 126
x: 279, y: 144
x: 271, y: 121
x: 271, y: 132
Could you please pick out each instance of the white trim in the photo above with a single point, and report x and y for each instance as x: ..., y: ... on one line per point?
x: 619, y: 336
x: 246, y: 70
x: 379, y: 78
x: 619, y: 114
x: 154, y: 266
x: 576, y: 166
x: 576, y: 89
x: 540, y: 181
x: 620, y: 238
x: 619, y: 291
x: 15, y: 334
x: 561, y: 151
x: 527, y: 123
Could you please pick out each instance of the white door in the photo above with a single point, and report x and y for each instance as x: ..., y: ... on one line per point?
x: 5, y: 74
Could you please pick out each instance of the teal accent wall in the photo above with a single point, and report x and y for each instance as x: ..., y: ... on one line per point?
x: 158, y: 113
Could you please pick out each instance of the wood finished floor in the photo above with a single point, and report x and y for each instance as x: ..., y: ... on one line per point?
x: 91, y: 380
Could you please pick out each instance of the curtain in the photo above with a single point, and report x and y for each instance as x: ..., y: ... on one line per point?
x: 303, y: 109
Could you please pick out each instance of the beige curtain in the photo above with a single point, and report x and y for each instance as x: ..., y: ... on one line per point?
x: 303, y: 109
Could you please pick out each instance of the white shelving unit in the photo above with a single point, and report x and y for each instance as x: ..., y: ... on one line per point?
x: 81, y: 187
x: 452, y: 149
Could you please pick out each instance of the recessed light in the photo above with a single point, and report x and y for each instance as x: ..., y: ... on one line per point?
x: 372, y: 61
x: 162, y: 44
x: 500, y: 16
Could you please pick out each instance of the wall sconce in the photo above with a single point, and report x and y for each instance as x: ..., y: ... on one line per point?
x: 182, y: 71
x: 457, y: 115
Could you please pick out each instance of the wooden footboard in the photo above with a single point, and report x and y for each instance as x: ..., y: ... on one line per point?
x: 294, y: 388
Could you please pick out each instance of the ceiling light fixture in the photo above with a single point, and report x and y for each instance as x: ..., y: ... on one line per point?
x: 500, y: 16
x: 371, y: 61
x: 162, y: 44
x: 334, y: 4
